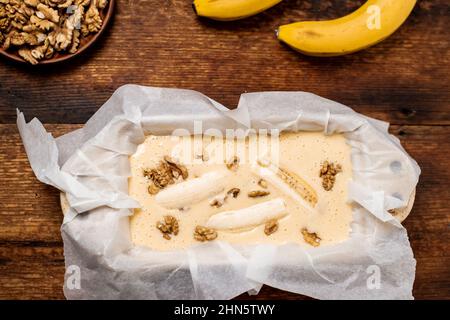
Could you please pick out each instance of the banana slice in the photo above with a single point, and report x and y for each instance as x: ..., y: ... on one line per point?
x: 248, y: 217
x: 288, y: 182
x: 192, y: 191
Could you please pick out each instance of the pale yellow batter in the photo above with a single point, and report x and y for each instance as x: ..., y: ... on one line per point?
x: 301, y: 153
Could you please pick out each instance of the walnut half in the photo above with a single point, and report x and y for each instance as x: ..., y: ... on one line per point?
x: 169, y: 227
x: 233, y: 163
x: 258, y: 193
x: 164, y: 174
x: 271, y: 227
x: 204, y: 234
x: 328, y: 172
x: 311, y: 237
x: 234, y: 192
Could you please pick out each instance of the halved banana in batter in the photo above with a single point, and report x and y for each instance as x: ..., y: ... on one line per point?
x: 191, y: 191
x: 248, y: 217
x: 288, y: 182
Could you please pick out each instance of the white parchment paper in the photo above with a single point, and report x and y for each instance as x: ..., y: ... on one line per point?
x: 91, y: 167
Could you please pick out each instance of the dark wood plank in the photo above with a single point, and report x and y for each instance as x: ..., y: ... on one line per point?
x: 31, y: 257
x: 31, y: 270
x: 404, y: 80
x: 29, y: 210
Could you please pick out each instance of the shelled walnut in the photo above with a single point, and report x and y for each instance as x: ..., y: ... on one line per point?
x: 233, y: 163
x: 169, y: 227
x: 258, y: 193
x: 164, y: 174
x: 263, y: 183
x: 311, y: 237
x: 204, y: 234
x: 234, y: 192
x: 36, y: 29
x: 218, y: 200
x: 328, y: 172
x: 270, y: 227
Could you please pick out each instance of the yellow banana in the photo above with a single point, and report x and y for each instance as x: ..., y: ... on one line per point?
x: 226, y: 10
x: 371, y: 23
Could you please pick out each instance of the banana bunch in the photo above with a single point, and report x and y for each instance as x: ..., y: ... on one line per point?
x: 226, y: 10
x: 371, y: 23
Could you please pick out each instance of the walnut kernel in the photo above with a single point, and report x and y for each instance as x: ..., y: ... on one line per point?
x: 204, y: 234
x: 271, y: 227
x: 311, y: 237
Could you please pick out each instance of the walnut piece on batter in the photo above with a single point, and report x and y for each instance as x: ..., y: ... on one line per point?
x: 311, y: 237
x: 258, y: 193
x: 328, y: 172
x: 234, y: 192
x: 204, y: 234
x: 164, y: 174
x: 233, y: 163
x: 270, y: 227
x: 169, y: 227
x: 263, y: 183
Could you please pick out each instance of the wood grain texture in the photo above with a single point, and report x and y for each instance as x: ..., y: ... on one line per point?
x: 403, y: 80
x: 31, y: 255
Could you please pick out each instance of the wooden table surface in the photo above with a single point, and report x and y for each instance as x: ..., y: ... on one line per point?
x: 403, y: 80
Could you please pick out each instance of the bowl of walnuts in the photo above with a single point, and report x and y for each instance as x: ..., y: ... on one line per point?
x: 49, y: 31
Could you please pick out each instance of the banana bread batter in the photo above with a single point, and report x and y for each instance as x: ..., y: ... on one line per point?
x: 223, y: 191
